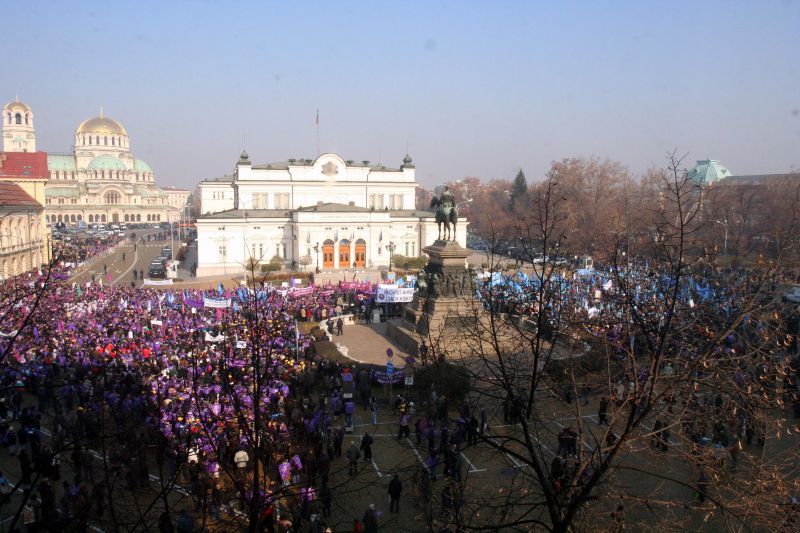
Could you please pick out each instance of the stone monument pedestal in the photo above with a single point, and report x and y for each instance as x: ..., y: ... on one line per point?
x: 445, y: 302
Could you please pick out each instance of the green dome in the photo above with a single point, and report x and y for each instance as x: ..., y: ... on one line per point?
x: 708, y: 171
x: 107, y: 162
x: 141, y: 166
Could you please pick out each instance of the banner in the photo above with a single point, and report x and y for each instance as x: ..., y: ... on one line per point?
x: 388, y: 294
x: 383, y: 378
x: 296, y: 292
x: 216, y: 302
x: 155, y: 282
x: 211, y: 338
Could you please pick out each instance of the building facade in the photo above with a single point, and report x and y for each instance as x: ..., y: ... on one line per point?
x: 24, y: 238
x: 100, y: 181
x: 326, y: 213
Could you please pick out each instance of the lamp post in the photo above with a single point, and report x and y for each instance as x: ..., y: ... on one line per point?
x: 390, y: 247
x: 30, y: 240
x: 725, y: 245
x: 316, y: 250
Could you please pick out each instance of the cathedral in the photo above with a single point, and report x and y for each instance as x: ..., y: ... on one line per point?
x: 100, y: 181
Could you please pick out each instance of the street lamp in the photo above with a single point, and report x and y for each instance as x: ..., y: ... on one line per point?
x: 725, y: 245
x: 316, y: 250
x: 391, y: 246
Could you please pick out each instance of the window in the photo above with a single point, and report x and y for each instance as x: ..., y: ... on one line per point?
x: 376, y: 201
x: 223, y: 251
x: 105, y: 141
x: 60, y: 201
x: 278, y: 250
x: 260, y: 200
x: 102, y: 218
x: 113, y: 143
x: 396, y: 201
x: 97, y: 139
x: 27, y: 116
x: 282, y: 200
x: 18, y: 118
x: 74, y: 201
x: 112, y: 197
x: 91, y: 219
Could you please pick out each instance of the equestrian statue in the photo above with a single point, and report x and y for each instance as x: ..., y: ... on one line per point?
x: 446, y: 213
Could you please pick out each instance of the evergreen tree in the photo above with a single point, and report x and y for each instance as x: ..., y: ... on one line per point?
x: 519, y: 189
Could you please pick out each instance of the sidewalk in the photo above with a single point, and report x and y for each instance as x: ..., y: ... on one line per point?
x: 367, y: 343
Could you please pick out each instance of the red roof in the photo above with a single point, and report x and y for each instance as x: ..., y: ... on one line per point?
x: 24, y: 165
x: 12, y: 195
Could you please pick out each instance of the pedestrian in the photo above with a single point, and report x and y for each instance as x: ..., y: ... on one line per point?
x: 241, y: 459
x: 366, y: 447
x: 370, y: 520
x: 105, y: 268
x: 141, y: 274
x: 602, y: 411
x: 185, y: 523
x: 339, y: 325
x: 353, y: 455
x: 135, y: 274
x: 395, y: 489
x: 123, y: 257
x: 373, y: 407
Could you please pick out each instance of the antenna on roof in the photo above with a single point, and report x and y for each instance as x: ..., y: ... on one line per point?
x: 101, y: 111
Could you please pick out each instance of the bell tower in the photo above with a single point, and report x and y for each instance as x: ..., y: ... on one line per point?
x: 18, y: 132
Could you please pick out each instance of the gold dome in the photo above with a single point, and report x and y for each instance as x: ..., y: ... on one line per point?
x: 102, y: 125
x: 17, y: 106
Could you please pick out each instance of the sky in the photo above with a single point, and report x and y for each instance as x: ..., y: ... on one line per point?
x: 467, y: 88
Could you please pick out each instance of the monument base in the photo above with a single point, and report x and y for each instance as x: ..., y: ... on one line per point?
x: 445, y: 305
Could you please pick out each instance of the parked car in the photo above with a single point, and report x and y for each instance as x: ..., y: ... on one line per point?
x: 792, y: 296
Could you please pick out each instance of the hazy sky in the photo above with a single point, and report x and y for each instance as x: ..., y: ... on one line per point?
x: 472, y: 88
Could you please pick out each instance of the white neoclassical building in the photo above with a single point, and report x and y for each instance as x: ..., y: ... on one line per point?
x: 100, y: 180
x: 327, y: 213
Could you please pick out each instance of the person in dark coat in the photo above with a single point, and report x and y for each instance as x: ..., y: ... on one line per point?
x: 370, y: 520
x: 395, y: 489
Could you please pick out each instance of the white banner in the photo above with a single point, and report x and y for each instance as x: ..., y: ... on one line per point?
x: 389, y: 294
x: 156, y: 282
x: 211, y: 338
x: 212, y: 302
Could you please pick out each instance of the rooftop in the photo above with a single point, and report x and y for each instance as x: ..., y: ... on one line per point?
x: 250, y: 213
x: 12, y: 195
x: 23, y: 164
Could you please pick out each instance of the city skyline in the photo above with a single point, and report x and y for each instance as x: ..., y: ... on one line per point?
x: 479, y: 91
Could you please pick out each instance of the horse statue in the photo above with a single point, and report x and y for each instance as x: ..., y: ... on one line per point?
x: 446, y: 213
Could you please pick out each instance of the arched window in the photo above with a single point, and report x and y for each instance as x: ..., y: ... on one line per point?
x: 112, y: 197
x: 72, y: 218
x: 59, y: 218
x: 91, y: 219
x: 113, y: 141
x: 9, y: 118
x: 18, y: 118
x: 27, y: 118
x: 138, y: 218
x: 148, y: 218
x: 90, y: 139
x: 80, y: 217
x: 97, y: 139
x: 102, y: 218
x: 105, y: 140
